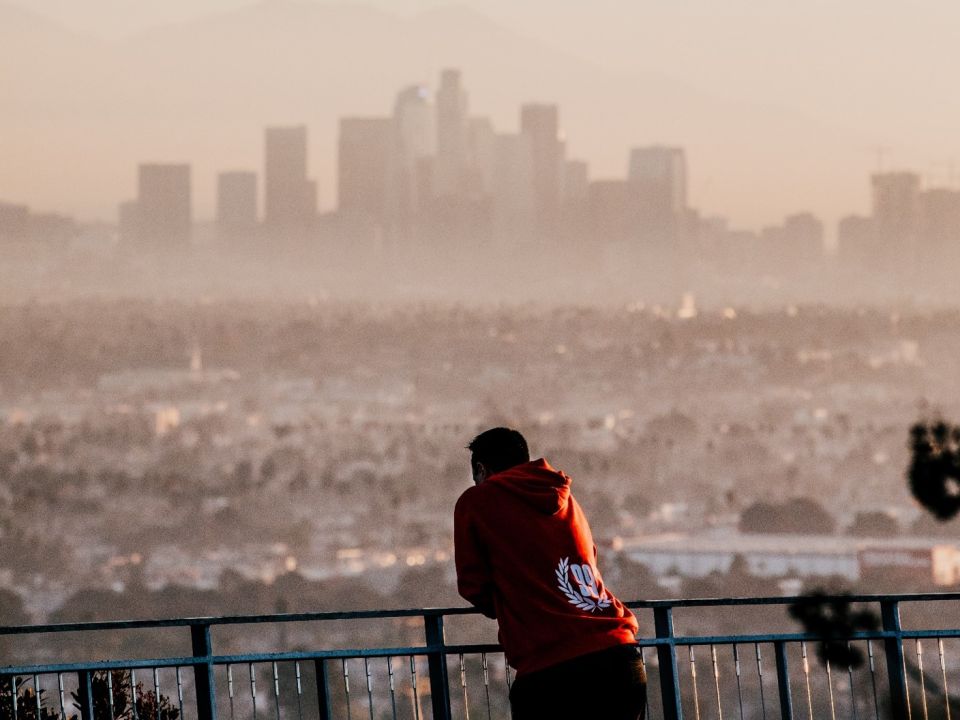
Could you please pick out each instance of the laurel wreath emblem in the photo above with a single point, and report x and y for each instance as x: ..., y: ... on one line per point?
x: 573, y: 596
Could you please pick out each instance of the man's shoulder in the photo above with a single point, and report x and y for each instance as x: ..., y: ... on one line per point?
x: 473, y: 497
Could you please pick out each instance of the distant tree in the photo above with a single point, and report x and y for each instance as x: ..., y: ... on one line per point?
x: 934, y: 472
x: 803, y: 516
x: 874, y: 524
x: 26, y: 706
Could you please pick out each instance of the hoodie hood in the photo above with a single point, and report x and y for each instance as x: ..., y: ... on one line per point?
x: 537, y: 483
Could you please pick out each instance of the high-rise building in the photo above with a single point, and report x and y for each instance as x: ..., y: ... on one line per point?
x: 896, y: 198
x: 610, y: 206
x: 364, y: 166
x: 857, y: 243
x: 164, y: 215
x: 415, y: 146
x: 576, y: 181
x: 236, y: 202
x: 658, y: 179
x: 513, y: 201
x: 291, y: 198
x: 451, y: 134
x: 480, y: 151
x: 939, y: 225
x: 541, y: 124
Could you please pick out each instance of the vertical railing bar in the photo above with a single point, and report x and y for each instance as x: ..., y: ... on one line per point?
x: 437, y: 666
x: 736, y: 669
x: 763, y: 700
x: 486, y: 684
x: 296, y: 666
x: 943, y: 672
x: 923, y: 683
x: 179, y: 693
x: 366, y: 669
x: 393, y: 692
x: 693, y: 680
x: 36, y: 697
x: 324, y: 706
x: 667, y: 660
x: 63, y: 710
x: 84, y: 690
x: 833, y: 707
x: 896, y: 662
x: 463, y: 687
x: 646, y: 695
x: 113, y: 713
x: 204, y: 679
x: 253, y: 687
x: 873, y: 681
x: 783, y: 680
x: 230, y: 688
x: 506, y: 676
x: 133, y: 694
x: 806, y: 677
x: 345, y: 669
x: 14, y: 698
x: 413, y: 681
x: 853, y: 694
x: 716, y: 680
x: 156, y: 693
x: 276, y: 687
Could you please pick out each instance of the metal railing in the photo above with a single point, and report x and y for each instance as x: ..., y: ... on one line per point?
x: 457, y: 679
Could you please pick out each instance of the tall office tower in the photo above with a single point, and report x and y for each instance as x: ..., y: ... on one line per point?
x: 541, y: 124
x: 658, y: 179
x: 481, y: 142
x: 576, y: 181
x: 610, y: 206
x: 856, y: 243
x: 291, y: 198
x: 514, y: 200
x: 939, y: 228
x: 451, y: 135
x: 364, y: 165
x: 896, y: 198
x: 236, y: 202
x: 415, y: 144
x: 163, y: 211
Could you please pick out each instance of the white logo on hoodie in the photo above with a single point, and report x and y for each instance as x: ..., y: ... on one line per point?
x: 588, y: 597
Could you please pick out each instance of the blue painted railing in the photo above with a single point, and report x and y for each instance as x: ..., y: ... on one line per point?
x: 892, y: 682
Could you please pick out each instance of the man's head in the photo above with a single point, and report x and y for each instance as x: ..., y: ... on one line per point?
x: 496, y: 450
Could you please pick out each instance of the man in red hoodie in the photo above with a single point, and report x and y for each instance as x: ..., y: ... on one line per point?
x: 525, y: 556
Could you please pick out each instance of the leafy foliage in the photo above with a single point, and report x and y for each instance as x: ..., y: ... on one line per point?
x: 934, y: 473
x: 26, y: 701
x: 833, y: 620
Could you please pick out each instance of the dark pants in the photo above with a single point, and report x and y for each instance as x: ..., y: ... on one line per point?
x: 606, y: 685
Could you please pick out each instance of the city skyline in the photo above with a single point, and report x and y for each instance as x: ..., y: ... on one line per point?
x: 757, y: 160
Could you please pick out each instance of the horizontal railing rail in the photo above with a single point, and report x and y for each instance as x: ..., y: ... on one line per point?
x: 887, y: 688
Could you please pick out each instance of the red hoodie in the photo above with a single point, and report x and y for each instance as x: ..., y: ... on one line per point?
x: 525, y: 556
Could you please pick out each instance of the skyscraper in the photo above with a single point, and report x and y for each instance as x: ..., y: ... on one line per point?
x: 364, y: 166
x: 415, y: 145
x: 163, y: 209
x: 451, y: 134
x: 236, y: 202
x: 658, y: 179
x: 541, y: 124
x: 896, y: 199
x: 513, y: 200
x: 291, y: 198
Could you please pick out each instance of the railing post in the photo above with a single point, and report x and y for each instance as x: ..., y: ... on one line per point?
x: 783, y: 681
x: 667, y: 660
x: 84, y: 694
x: 323, y: 689
x: 203, y: 672
x: 893, y: 646
x: 437, y: 663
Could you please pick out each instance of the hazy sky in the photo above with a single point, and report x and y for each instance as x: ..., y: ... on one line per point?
x: 880, y: 72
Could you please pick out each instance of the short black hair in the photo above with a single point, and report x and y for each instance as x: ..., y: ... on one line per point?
x: 499, y: 449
